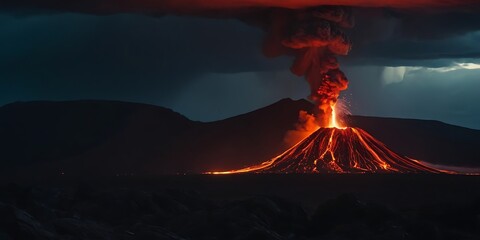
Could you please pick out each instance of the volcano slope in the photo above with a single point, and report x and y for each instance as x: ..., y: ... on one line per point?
x: 339, y: 150
x: 88, y: 138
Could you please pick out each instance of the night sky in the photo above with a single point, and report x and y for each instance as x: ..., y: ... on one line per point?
x: 421, y: 62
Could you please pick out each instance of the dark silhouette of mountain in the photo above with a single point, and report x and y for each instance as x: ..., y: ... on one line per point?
x: 427, y: 140
x: 110, y: 138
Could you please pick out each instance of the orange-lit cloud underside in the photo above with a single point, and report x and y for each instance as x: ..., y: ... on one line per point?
x: 193, y: 6
x: 199, y: 5
x: 215, y: 4
x: 221, y: 7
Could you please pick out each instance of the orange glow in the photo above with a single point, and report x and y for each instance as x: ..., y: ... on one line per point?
x: 333, y: 119
x: 338, y: 149
x: 183, y: 6
x: 306, y: 125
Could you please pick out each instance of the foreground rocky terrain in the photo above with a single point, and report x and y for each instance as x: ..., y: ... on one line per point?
x: 116, y: 212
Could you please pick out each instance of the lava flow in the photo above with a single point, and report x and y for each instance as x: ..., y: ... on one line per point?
x: 316, y: 36
x: 337, y: 149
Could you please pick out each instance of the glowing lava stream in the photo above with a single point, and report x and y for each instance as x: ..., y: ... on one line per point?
x: 337, y: 149
x: 333, y: 120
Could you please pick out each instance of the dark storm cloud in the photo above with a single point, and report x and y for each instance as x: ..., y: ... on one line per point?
x: 437, y: 24
x: 49, y: 53
x: 128, y: 57
x: 449, y: 96
x: 195, y: 6
x: 391, y: 30
x: 131, y: 41
x: 410, y: 37
x: 425, y: 23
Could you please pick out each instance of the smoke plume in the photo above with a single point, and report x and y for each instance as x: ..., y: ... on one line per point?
x: 305, y: 126
x: 317, y: 40
x: 314, y: 35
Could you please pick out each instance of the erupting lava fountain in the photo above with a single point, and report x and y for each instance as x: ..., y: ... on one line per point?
x: 315, y: 36
x: 338, y: 149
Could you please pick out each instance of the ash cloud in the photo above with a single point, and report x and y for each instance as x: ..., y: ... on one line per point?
x: 306, y: 125
x: 398, y: 33
x: 315, y: 36
x: 195, y: 6
x: 387, y: 32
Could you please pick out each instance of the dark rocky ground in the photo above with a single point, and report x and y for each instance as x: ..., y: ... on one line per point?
x: 244, y: 207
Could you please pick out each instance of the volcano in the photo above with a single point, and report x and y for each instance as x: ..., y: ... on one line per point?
x: 105, y: 138
x: 339, y: 150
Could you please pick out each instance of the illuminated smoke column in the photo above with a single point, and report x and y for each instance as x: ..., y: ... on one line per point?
x: 315, y: 36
